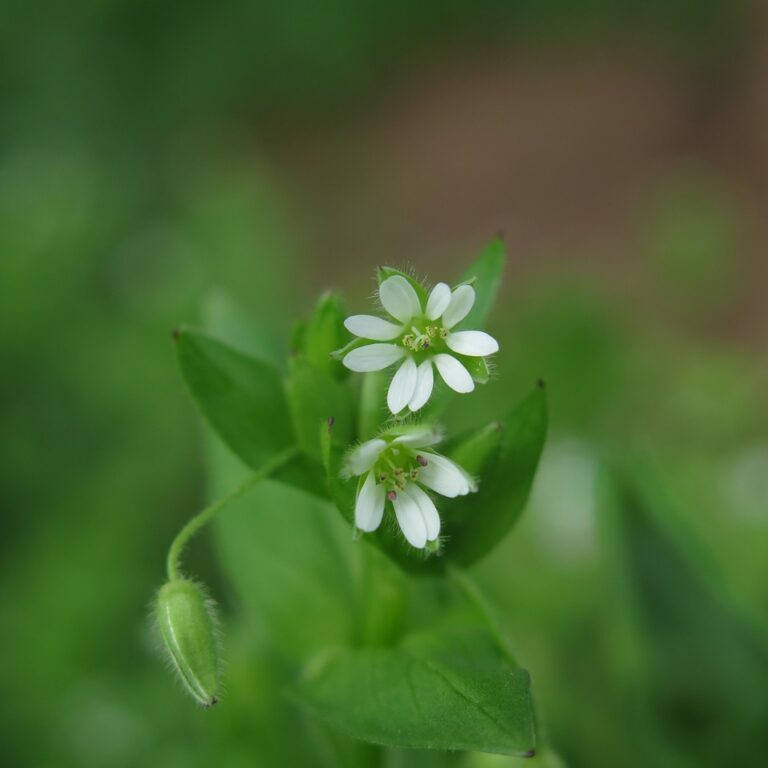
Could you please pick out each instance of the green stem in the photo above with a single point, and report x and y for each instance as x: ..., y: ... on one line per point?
x: 478, y: 600
x: 201, y: 519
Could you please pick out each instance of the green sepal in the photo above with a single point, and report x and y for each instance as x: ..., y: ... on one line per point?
x: 477, y: 367
x: 340, y: 353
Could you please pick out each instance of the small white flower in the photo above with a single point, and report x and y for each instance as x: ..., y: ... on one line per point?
x: 421, y: 337
x: 395, y: 466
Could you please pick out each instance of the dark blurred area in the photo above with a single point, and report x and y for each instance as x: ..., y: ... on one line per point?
x: 154, y: 157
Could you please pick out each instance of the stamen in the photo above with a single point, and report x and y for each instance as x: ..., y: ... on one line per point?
x: 422, y: 460
x: 391, y: 495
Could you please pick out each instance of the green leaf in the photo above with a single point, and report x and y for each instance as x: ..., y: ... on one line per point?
x: 241, y: 397
x: 324, y: 333
x: 231, y: 323
x: 485, y: 274
x: 445, y: 689
x: 476, y: 523
x: 478, y: 450
x: 291, y: 561
x: 314, y: 397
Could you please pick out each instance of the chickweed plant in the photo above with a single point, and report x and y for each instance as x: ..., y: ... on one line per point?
x: 357, y: 418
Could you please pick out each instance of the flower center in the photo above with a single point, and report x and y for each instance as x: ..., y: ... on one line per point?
x: 396, y: 467
x: 422, y: 336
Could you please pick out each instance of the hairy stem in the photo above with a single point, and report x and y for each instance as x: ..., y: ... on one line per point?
x: 201, y: 519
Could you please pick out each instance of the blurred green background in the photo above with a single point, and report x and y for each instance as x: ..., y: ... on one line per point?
x: 156, y: 157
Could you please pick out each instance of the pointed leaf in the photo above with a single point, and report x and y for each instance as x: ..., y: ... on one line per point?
x: 485, y: 275
x: 441, y: 689
x: 314, y: 397
x: 241, y: 397
x: 323, y: 333
x: 477, y: 522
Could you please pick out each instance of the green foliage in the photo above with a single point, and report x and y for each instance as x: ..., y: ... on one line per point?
x: 287, y: 555
x: 485, y: 275
x: 478, y: 522
x: 241, y: 397
x: 315, y: 387
x: 440, y: 689
x: 292, y: 565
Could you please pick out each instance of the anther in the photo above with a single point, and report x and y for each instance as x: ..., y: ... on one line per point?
x: 391, y: 495
x: 422, y: 460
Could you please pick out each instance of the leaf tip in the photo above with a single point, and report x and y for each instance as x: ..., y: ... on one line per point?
x: 530, y: 753
x: 541, y: 384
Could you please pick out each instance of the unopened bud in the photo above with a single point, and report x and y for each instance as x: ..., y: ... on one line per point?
x: 187, y: 625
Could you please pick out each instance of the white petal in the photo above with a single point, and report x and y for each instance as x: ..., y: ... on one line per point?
x: 438, y: 301
x: 472, y: 343
x: 403, y: 386
x: 424, y: 384
x: 420, y: 437
x: 428, y: 511
x: 369, y: 507
x: 373, y: 357
x: 370, y: 327
x: 454, y: 374
x: 399, y: 298
x: 411, y: 520
x: 445, y: 477
x: 462, y: 300
x: 362, y: 458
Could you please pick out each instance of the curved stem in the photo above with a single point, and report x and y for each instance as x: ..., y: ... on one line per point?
x: 201, y: 519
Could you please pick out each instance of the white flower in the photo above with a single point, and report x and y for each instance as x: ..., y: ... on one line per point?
x: 421, y: 337
x: 393, y: 468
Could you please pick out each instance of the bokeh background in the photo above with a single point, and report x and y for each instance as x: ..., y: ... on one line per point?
x: 155, y: 157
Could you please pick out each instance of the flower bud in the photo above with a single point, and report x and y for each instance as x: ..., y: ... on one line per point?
x: 187, y: 625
